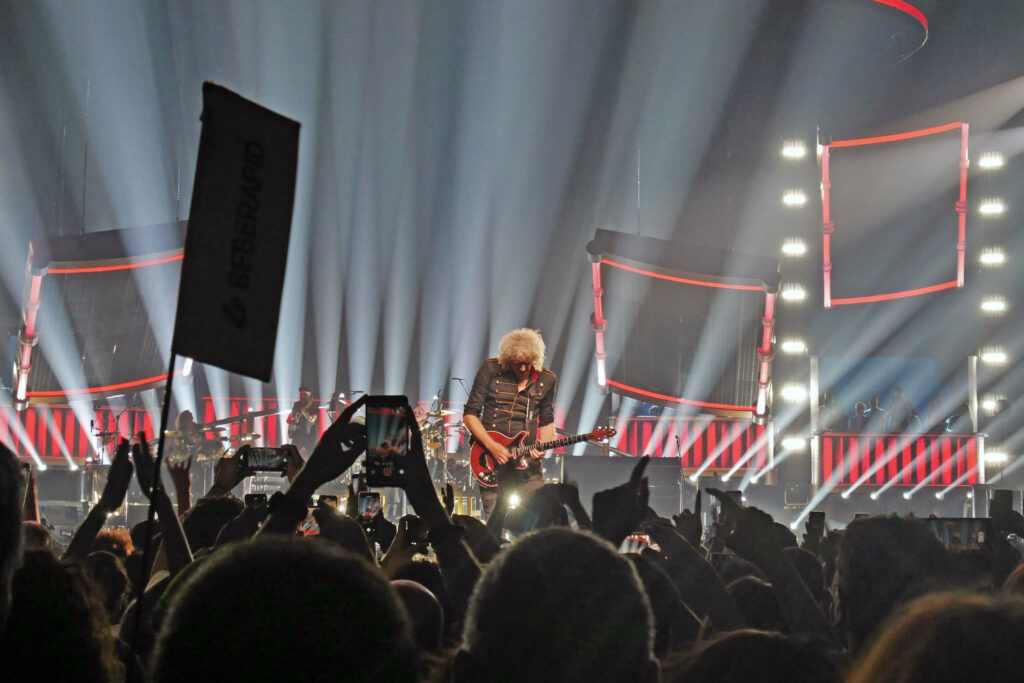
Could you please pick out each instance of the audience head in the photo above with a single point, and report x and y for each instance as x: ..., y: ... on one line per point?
x: 117, y: 541
x: 57, y: 630
x: 756, y: 600
x: 260, y: 609
x: 207, y: 517
x: 111, y: 579
x: 36, y: 536
x: 809, y: 567
x: 424, y: 611
x: 861, y: 408
x: 945, y: 637
x: 883, y: 561
x: 558, y: 605
x: 675, y: 626
x: 744, y: 656
x: 12, y: 499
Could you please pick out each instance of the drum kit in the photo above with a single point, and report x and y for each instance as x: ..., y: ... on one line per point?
x: 446, y: 468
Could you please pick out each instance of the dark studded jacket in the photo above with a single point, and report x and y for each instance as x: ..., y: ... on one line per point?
x: 495, y: 398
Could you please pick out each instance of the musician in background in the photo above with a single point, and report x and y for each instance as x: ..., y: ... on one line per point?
x: 302, y: 421
x: 513, y: 393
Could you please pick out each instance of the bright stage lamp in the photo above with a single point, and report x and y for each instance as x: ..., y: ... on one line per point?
x: 992, y: 256
x: 991, y: 207
x: 794, y: 443
x: 907, y: 495
x: 794, y: 247
x: 994, y: 304
x: 513, y: 501
x: 793, y: 291
x: 996, y: 458
x: 794, y: 392
x: 993, y: 356
x: 991, y: 160
x: 793, y: 346
x: 794, y: 198
x: 794, y: 149
x: 874, y: 495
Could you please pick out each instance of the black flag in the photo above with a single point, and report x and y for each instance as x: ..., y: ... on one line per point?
x: 237, y: 242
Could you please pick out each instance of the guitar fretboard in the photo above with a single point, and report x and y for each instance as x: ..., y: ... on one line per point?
x: 520, y: 451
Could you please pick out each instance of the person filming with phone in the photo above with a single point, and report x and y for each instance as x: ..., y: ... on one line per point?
x: 513, y: 393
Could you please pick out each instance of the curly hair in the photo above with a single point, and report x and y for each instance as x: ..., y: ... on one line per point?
x: 521, y: 343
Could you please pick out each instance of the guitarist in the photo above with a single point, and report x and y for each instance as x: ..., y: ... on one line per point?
x: 302, y: 430
x: 513, y: 393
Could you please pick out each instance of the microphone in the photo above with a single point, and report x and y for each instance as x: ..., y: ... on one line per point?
x: 458, y: 379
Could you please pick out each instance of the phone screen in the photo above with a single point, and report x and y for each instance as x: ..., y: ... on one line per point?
x: 387, y: 440
x: 369, y: 503
x: 961, y: 534
x: 265, y: 460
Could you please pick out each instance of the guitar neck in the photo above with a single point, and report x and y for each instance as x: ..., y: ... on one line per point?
x: 520, y: 451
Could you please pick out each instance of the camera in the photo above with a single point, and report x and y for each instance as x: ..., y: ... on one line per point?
x: 387, y: 440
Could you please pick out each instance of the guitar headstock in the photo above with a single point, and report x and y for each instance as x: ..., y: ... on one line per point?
x: 602, y: 433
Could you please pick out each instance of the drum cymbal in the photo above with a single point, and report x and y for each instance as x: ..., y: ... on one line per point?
x: 444, y: 412
x: 172, y: 434
x: 243, y: 438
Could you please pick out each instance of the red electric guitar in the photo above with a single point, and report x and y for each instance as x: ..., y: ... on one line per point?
x: 482, y: 462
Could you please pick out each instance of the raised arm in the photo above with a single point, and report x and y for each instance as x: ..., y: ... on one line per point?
x: 118, y: 478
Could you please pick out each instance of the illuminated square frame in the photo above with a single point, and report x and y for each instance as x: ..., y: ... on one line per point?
x: 828, y: 225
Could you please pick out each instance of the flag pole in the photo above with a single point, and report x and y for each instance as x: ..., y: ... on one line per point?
x: 140, y: 589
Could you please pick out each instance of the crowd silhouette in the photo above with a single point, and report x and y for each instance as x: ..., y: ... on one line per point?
x: 229, y: 591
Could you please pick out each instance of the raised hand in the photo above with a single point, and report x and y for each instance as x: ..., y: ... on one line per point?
x: 118, y: 478
x: 619, y: 510
x: 338, y: 448
x: 293, y: 461
x: 229, y: 473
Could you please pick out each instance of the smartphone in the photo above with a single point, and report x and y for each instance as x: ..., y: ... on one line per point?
x: 255, y: 499
x: 1001, y: 504
x: 415, y: 530
x: 328, y: 501
x: 816, y: 523
x: 962, y: 534
x: 369, y: 504
x: 265, y: 460
x: 387, y: 441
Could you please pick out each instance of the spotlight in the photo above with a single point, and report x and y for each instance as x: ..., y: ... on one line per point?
x: 73, y: 467
x: 793, y: 346
x: 794, y: 526
x: 996, y: 457
x: 845, y: 495
x: 794, y: 392
x: 994, y: 304
x: 938, y: 496
x: 794, y: 246
x: 793, y: 291
x: 186, y: 368
x: 993, y: 355
x: 906, y: 495
x: 743, y: 499
x: 992, y: 256
x: 874, y: 495
x: 513, y: 501
x: 794, y: 443
x: 991, y: 207
x: 970, y: 494
x: 725, y: 477
x: 794, y: 198
x: 991, y: 160
x: 794, y: 149
x: 991, y: 402
x: 693, y: 477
